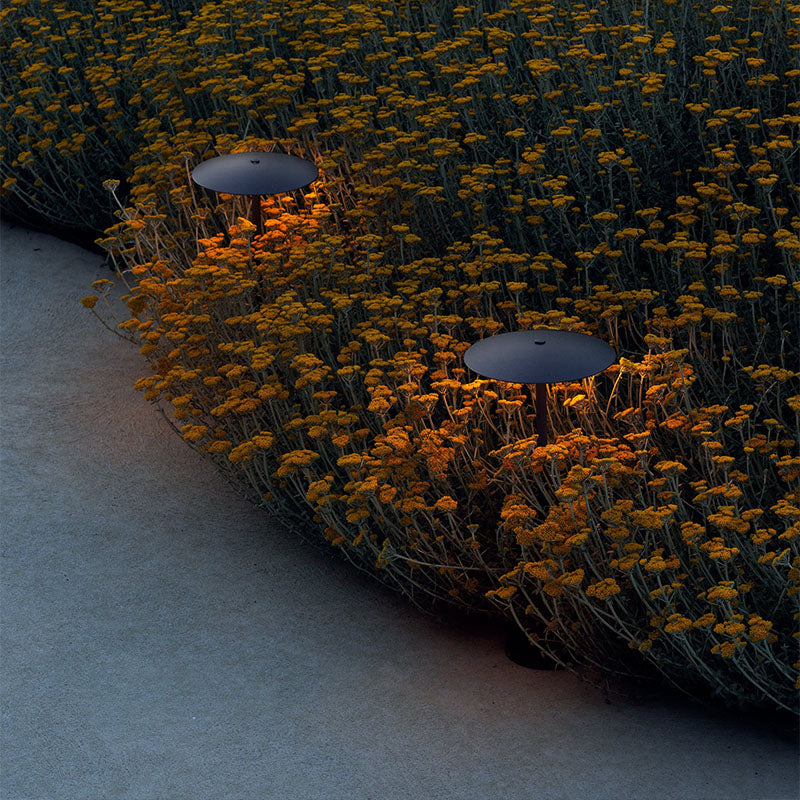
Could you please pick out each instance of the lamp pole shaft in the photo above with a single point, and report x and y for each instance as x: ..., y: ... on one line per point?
x: 255, y: 214
x: 541, y: 414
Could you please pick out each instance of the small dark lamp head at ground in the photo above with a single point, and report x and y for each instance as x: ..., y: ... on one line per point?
x: 539, y: 357
x: 255, y: 174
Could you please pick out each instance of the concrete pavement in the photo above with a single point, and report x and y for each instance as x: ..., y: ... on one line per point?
x: 162, y: 639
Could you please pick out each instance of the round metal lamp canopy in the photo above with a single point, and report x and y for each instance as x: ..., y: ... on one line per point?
x: 255, y: 173
x: 539, y: 356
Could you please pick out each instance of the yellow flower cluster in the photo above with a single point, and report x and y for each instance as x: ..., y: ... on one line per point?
x: 625, y: 173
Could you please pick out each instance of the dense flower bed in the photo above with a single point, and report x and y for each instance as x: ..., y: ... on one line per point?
x: 623, y: 170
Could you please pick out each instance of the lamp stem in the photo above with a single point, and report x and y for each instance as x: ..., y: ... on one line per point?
x: 541, y: 414
x: 255, y: 214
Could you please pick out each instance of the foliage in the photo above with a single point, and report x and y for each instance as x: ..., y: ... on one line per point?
x: 620, y: 170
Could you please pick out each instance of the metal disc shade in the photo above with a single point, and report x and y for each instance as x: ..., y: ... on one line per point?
x: 539, y: 356
x: 255, y: 173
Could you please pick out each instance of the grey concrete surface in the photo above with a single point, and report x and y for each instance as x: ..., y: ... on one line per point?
x: 163, y: 639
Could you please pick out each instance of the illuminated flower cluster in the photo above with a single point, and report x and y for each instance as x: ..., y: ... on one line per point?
x: 622, y: 172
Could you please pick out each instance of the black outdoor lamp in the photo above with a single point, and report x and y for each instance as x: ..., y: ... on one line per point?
x: 255, y: 174
x: 539, y: 356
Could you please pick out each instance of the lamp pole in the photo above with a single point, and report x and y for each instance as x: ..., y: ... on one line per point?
x: 540, y: 410
x: 255, y: 213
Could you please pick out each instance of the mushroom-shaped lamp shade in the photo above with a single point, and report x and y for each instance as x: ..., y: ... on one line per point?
x: 539, y: 356
x: 255, y: 174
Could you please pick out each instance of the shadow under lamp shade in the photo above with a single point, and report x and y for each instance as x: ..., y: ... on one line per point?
x: 255, y: 174
x: 539, y: 356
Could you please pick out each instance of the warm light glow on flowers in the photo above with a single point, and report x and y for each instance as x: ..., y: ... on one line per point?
x: 544, y: 165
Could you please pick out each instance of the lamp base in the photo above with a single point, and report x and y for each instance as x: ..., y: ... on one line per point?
x: 519, y: 650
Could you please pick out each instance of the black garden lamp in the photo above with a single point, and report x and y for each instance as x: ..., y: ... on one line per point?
x: 255, y: 174
x: 539, y: 356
